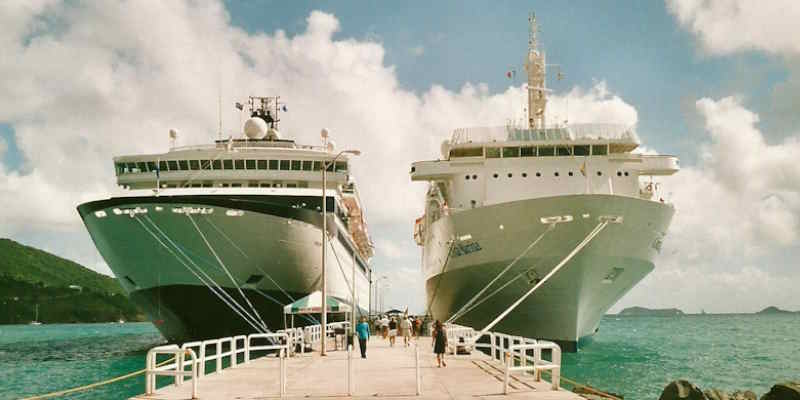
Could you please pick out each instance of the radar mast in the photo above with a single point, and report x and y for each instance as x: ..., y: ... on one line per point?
x: 536, y: 67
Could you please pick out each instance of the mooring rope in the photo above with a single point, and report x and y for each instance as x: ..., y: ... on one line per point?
x: 94, y: 385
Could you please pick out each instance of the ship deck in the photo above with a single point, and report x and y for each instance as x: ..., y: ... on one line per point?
x: 387, y: 372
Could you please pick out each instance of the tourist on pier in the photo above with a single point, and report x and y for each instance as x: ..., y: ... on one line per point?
x: 384, y: 327
x: 439, y: 343
x: 418, y: 327
x: 362, y: 329
x: 405, y: 330
x: 392, y: 331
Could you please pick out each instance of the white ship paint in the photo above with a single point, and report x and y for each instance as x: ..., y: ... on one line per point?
x: 497, y: 190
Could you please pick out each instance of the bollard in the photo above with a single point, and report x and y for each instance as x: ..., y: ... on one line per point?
x: 416, y: 369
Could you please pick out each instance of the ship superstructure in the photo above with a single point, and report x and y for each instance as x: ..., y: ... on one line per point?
x: 213, y: 240
x: 510, y: 206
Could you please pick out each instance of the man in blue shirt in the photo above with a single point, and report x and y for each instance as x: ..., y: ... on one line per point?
x: 362, y: 329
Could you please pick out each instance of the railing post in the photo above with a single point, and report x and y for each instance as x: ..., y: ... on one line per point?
x: 179, y: 362
x: 219, y: 357
x: 247, y: 349
x: 349, y: 369
x: 233, y: 351
x: 283, y: 371
x: 508, y: 358
x: 416, y: 369
x: 202, y: 360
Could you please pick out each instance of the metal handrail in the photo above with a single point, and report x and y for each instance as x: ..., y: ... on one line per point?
x: 175, y: 369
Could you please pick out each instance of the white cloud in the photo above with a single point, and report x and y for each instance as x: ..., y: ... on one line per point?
x: 728, y: 26
x: 3, y: 149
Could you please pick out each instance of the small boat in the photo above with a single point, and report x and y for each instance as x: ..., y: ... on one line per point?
x: 36, y: 318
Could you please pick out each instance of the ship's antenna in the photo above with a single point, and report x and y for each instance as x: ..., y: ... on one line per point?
x: 536, y: 67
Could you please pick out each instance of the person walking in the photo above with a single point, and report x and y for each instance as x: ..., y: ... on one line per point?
x: 362, y: 329
x: 384, y: 327
x: 439, y: 343
x: 392, y: 331
x: 405, y: 329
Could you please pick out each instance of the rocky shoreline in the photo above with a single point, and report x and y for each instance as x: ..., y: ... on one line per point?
x: 685, y: 390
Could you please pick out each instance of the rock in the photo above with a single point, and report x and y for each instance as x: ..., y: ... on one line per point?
x: 715, y: 394
x: 783, y: 391
x: 740, y: 395
x: 682, y: 390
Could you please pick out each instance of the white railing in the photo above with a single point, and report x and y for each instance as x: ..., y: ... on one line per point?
x: 485, y: 134
x: 516, y: 353
x: 175, y: 369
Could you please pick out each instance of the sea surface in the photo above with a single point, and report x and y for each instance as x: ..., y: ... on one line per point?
x: 632, y: 356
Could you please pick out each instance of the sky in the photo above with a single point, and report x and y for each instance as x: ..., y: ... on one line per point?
x: 713, y: 82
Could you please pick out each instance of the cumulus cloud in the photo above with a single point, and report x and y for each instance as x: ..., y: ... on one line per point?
x: 728, y: 26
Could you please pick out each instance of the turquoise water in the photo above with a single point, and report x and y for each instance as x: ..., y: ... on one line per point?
x: 633, y: 356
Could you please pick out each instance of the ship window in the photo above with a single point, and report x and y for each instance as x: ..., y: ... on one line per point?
x: 120, y: 168
x: 265, y: 185
x: 132, y: 168
x: 250, y: 164
x: 546, y: 151
x: 570, y: 173
x: 599, y: 173
x: 151, y: 166
x: 291, y: 185
x: 142, y: 166
x: 619, y: 173
x: 492, y: 152
x: 317, y: 166
x: 173, y: 165
x: 509, y: 152
x: 495, y: 176
x: 285, y: 164
x: 467, y: 152
x: 277, y: 185
x: 302, y: 184
x: 197, y: 185
x: 273, y: 164
x: 225, y: 185
x: 238, y: 164
x: 564, y: 150
x: 466, y: 177
x: 216, y: 164
x: 581, y: 150
x: 510, y: 174
x: 308, y: 165
x: 341, y: 166
x: 626, y: 173
x: 183, y: 165
x: 528, y: 151
x: 205, y: 164
x: 162, y: 165
x: 227, y: 164
x: 252, y: 184
x: 329, y: 167
x: 194, y: 164
x: 599, y: 149
x: 524, y: 174
x: 236, y: 185
x: 538, y: 174
x: 555, y: 173
x: 262, y: 164
x: 297, y: 165
x: 474, y: 176
x: 208, y: 184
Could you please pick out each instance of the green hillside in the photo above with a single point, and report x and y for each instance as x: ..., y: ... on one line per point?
x: 29, y: 276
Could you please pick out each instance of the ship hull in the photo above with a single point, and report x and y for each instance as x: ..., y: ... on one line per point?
x: 213, y: 266
x: 466, y: 250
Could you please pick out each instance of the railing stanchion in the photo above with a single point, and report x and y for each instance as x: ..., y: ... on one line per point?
x: 508, y: 362
x: 416, y: 369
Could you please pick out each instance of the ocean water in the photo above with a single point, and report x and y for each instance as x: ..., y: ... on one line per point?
x: 632, y: 356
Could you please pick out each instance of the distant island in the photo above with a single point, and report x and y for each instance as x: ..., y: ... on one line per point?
x: 651, y: 312
x: 776, y: 310
x: 64, y: 291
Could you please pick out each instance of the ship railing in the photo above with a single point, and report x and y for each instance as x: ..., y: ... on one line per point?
x: 175, y: 369
x: 515, y: 353
x: 560, y: 133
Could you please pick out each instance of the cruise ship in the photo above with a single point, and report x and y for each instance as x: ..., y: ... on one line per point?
x: 537, y: 230
x: 213, y: 240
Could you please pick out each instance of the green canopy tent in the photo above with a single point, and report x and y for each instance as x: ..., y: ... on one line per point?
x: 312, y: 304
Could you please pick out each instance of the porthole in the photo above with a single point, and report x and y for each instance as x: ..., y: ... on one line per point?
x: 555, y: 173
x: 626, y: 173
x: 538, y: 174
x: 619, y: 173
x: 495, y: 176
x: 599, y: 173
x: 510, y: 174
x: 466, y: 177
x: 474, y: 176
x: 570, y: 173
x: 524, y: 174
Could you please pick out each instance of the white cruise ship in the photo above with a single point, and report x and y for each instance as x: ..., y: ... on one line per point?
x: 562, y: 220
x: 213, y: 240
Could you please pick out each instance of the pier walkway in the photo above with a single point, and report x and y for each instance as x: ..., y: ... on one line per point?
x: 387, y: 372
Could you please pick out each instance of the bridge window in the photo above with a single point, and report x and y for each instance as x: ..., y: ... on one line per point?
x: 569, y: 173
x: 297, y: 165
x: 205, y: 164
x: 250, y: 164
x: 151, y: 166
x: 492, y: 152
x: 285, y: 164
x: 265, y: 185
x: 173, y: 165
x: 564, y: 151
x: 580, y: 150
x: 216, y: 164
x: 308, y: 165
x: 341, y: 166
x: 528, y: 151
x: 273, y: 164
x: 291, y: 185
x: 227, y: 164
x: 142, y: 166
x: 162, y: 165
x: 194, y: 164
x: 467, y: 152
x: 546, y: 151
x: 262, y: 164
x: 317, y: 166
x: 600, y: 150
x: 238, y: 164
x: 509, y: 152
x: 183, y: 165
x: 120, y: 167
x: 236, y: 185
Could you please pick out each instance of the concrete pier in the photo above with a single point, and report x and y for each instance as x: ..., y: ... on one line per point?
x: 386, y: 372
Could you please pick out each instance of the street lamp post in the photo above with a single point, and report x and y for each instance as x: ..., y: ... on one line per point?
x: 325, y: 166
